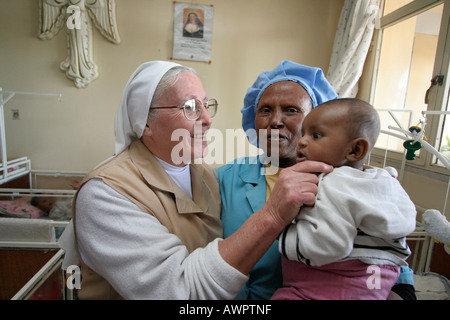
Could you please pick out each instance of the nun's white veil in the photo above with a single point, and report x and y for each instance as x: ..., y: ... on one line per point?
x: 132, y: 114
x: 131, y: 117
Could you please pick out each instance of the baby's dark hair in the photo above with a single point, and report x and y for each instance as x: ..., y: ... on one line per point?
x: 363, y: 119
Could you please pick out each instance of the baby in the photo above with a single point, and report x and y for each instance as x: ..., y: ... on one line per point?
x: 352, y: 242
x: 56, y: 208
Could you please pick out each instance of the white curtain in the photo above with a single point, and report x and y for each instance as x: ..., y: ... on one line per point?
x: 351, y: 44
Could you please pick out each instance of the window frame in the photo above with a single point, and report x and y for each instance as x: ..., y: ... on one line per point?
x: 439, y: 94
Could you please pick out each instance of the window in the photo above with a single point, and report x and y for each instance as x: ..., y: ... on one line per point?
x: 392, y: 5
x: 412, y: 58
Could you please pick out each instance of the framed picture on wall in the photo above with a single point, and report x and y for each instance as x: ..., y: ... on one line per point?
x: 192, y: 32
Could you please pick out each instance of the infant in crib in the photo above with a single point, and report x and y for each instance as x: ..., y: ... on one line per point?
x: 352, y: 242
x: 56, y: 208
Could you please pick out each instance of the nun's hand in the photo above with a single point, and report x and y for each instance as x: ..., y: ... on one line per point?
x: 296, y: 186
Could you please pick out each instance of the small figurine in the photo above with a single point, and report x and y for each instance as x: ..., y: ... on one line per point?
x: 411, y: 146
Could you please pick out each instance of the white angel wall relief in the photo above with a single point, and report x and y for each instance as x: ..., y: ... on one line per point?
x: 76, y: 16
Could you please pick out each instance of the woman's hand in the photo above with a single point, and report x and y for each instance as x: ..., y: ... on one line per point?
x: 296, y: 186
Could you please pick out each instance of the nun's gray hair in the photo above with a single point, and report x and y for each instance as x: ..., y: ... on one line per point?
x: 169, y: 79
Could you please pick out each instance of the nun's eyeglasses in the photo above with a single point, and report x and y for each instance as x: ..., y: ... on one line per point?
x: 193, y: 108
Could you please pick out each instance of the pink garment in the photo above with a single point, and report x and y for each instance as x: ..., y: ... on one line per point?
x: 22, y: 206
x: 347, y: 280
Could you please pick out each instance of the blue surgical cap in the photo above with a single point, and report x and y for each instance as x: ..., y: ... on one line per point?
x: 310, y: 78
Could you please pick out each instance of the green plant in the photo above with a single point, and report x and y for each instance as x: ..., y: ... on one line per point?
x: 447, y: 146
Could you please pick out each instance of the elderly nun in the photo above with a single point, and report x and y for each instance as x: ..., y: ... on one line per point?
x: 147, y: 225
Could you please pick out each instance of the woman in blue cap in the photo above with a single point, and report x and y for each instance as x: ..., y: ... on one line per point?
x: 279, y: 99
x: 274, y: 109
